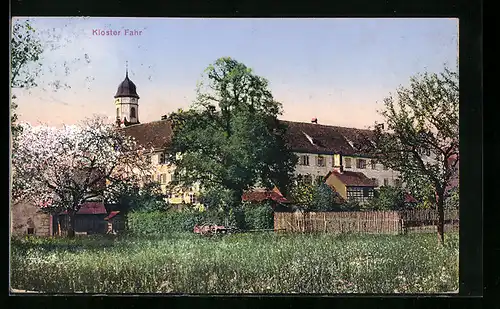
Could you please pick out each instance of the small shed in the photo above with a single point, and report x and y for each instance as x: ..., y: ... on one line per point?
x: 351, y: 186
x: 88, y: 220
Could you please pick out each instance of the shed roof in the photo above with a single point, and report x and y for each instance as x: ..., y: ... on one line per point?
x: 90, y: 208
x: 353, y: 179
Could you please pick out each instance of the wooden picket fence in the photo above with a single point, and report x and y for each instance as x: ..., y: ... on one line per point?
x: 372, y: 222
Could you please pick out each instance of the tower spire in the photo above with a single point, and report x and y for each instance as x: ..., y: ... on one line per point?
x: 126, y: 68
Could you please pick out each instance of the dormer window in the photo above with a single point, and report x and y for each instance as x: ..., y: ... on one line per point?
x: 350, y: 142
x: 310, y: 139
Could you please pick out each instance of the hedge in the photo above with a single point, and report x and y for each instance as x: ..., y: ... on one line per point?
x: 163, y: 222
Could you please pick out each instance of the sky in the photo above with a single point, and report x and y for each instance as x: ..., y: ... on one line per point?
x: 336, y: 70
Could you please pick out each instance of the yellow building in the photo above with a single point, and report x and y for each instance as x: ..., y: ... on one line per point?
x: 157, y: 136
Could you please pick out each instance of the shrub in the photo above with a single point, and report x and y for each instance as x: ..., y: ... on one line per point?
x: 260, y: 216
x: 316, y: 197
x: 388, y: 198
x: 158, y: 222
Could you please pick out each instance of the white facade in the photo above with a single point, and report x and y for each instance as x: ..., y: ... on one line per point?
x: 127, y: 108
x: 321, y: 167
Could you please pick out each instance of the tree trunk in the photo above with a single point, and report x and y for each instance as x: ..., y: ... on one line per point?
x: 71, y: 224
x: 58, y: 222
x: 440, y: 222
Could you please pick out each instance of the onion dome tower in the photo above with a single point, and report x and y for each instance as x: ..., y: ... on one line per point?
x: 127, y: 102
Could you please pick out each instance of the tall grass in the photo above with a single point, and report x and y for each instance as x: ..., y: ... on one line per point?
x: 244, y: 263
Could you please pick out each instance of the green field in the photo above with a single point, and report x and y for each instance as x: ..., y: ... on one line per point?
x: 241, y: 263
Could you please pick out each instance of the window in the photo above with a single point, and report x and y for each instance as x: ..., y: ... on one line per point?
x: 354, y: 194
x: 132, y: 112
x: 375, y: 182
x: 192, y: 198
x: 162, y: 159
x: 319, y: 179
x: 320, y: 161
x: 31, y: 231
x: 361, y: 163
x: 148, y: 159
x: 359, y: 194
x: 385, y: 168
x: 374, y: 164
x: 304, y: 160
x: 164, y: 178
x: 348, y: 163
x: 386, y: 181
x: 117, y: 113
x: 366, y: 192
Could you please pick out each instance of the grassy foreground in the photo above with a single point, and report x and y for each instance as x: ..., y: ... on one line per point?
x: 245, y: 263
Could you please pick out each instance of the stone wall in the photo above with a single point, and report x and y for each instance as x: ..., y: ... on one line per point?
x: 26, y: 215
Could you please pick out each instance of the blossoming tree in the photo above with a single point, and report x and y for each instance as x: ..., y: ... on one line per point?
x: 62, y: 168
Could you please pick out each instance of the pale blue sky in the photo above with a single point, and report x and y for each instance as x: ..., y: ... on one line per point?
x: 333, y: 69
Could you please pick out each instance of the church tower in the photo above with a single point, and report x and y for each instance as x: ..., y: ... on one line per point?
x: 127, y: 102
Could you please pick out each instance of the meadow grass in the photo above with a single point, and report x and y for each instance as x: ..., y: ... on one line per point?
x: 240, y: 263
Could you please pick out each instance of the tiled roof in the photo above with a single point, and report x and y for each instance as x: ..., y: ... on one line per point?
x: 317, y: 138
x: 156, y: 134
x: 353, y: 179
x: 264, y: 195
x: 90, y: 208
x: 325, y: 139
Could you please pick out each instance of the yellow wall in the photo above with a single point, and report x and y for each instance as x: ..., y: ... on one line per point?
x: 339, y: 186
x: 180, y: 196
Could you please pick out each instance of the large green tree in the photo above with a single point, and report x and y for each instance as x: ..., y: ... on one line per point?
x: 230, y: 139
x: 25, y: 51
x: 420, y: 136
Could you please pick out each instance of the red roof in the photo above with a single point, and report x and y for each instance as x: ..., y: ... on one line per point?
x: 409, y: 198
x: 111, y: 215
x: 353, y: 179
x: 260, y: 196
x: 156, y: 134
x: 90, y: 208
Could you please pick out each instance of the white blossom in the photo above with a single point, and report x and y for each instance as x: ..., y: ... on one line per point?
x: 65, y: 167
